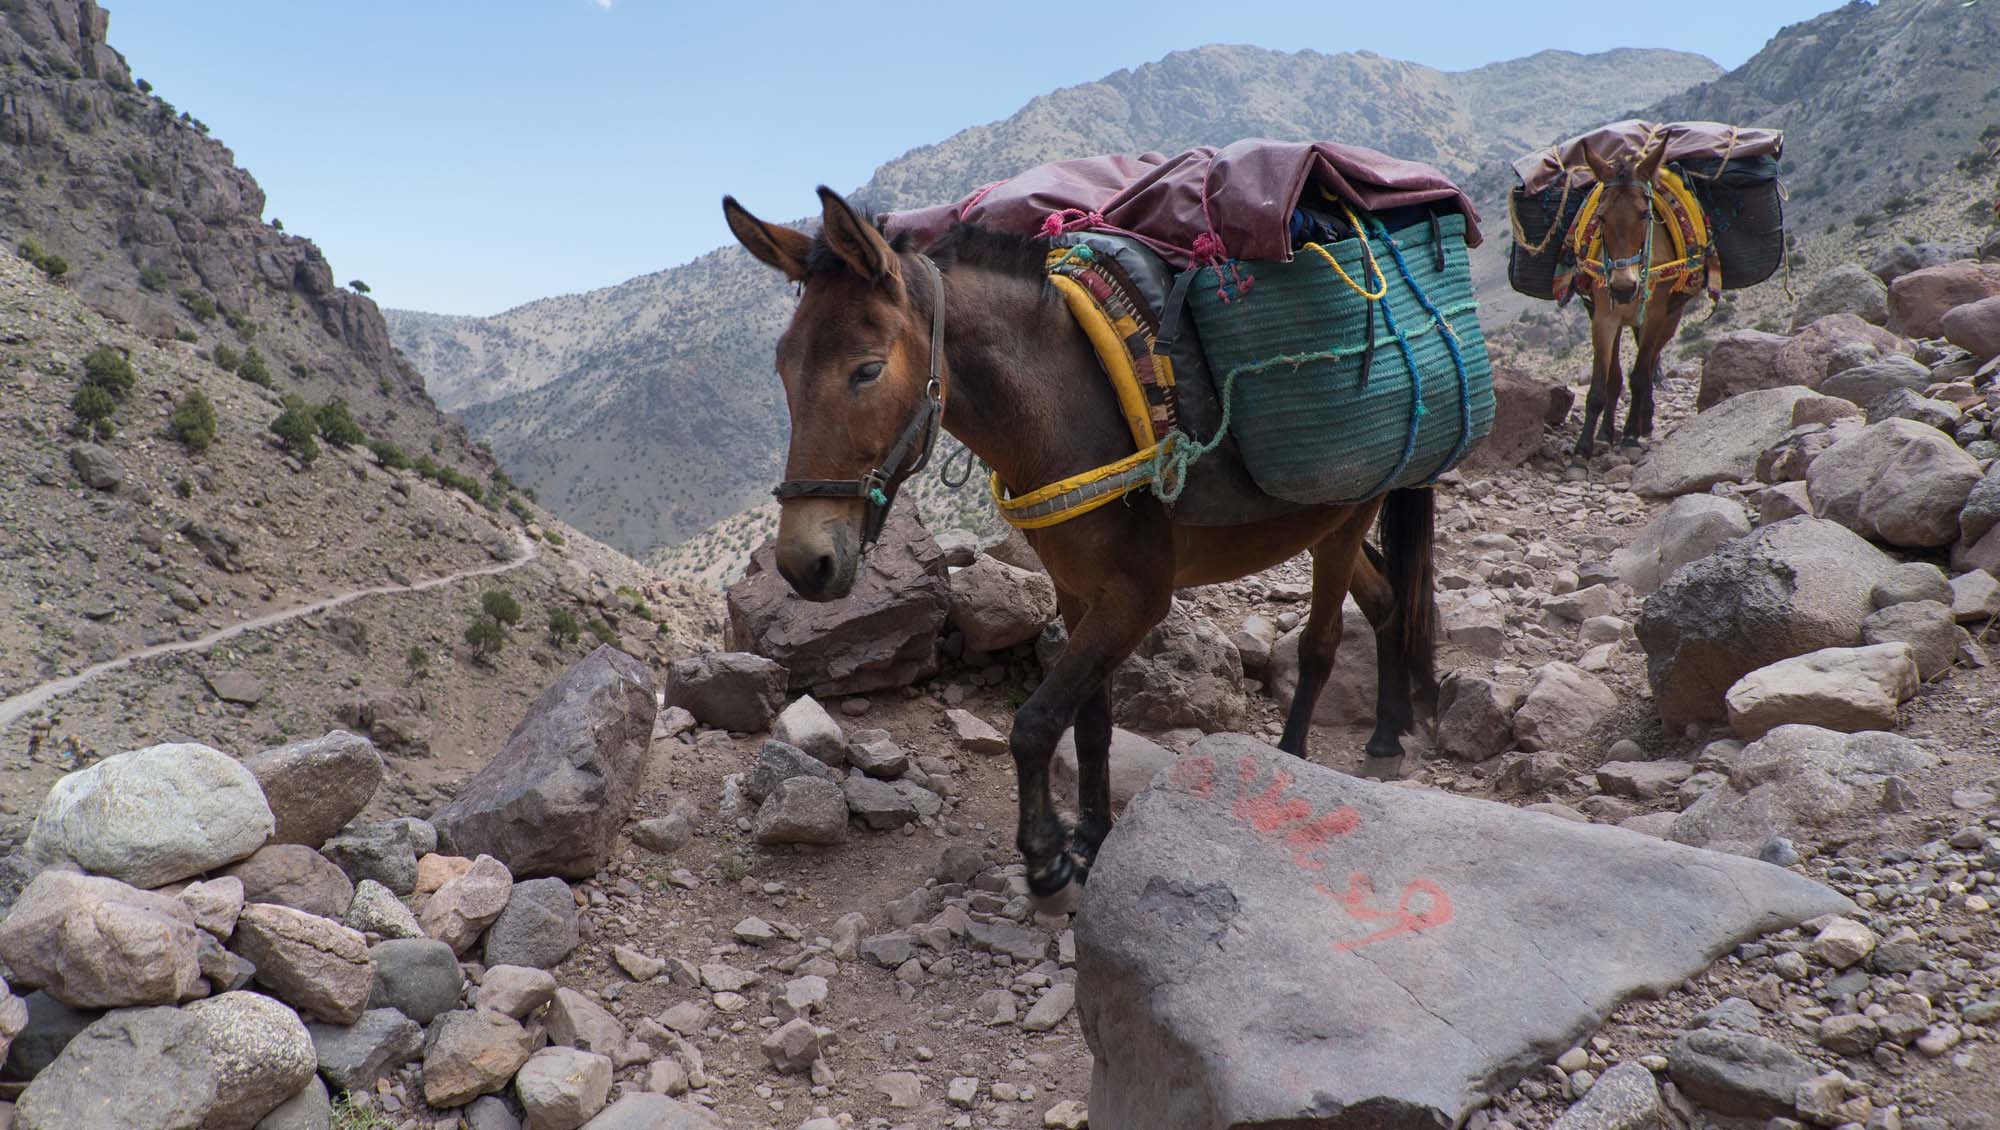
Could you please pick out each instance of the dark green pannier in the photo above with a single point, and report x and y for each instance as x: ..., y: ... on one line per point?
x: 1334, y: 398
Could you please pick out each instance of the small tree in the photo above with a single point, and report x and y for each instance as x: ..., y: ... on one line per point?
x: 277, y: 224
x: 94, y: 408
x: 501, y: 606
x: 193, y: 422
x: 295, y: 426
x: 418, y: 661
x: 153, y: 278
x: 388, y: 454
x: 337, y: 426
x: 563, y: 627
x: 253, y: 368
x: 227, y: 359
x: 108, y: 369
x: 485, y: 636
x: 358, y: 286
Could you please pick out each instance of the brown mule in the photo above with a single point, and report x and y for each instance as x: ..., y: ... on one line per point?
x: 1616, y: 302
x: 885, y: 340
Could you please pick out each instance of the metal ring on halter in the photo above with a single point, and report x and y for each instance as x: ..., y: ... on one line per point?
x: 877, y: 488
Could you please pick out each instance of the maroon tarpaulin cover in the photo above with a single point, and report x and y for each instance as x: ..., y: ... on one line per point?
x: 1201, y: 205
x: 1686, y: 141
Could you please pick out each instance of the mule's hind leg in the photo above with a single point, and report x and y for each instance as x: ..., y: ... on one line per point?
x: 1334, y: 557
x: 1395, y: 711
x: 1107, y: 631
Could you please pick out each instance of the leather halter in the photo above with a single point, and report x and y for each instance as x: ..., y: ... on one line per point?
x: 877, y: 488
x: 1645, y: 252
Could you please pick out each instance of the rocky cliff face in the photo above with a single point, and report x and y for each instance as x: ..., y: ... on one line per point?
x: 161, y: 231
x: 648, y: 411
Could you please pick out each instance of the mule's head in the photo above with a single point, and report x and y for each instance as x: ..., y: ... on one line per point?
x: 855, y: 362
x: 1627, y: 212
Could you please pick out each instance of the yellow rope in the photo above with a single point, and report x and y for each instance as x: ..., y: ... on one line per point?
x: 1011, y: 507
x: 1367, y: 255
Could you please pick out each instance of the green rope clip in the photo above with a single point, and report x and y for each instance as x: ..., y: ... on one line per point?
x: 877, y: 498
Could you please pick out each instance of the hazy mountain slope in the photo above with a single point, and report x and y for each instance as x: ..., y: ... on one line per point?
x: 646, y: 411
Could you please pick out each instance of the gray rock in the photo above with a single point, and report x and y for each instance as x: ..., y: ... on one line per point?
x: 1735, y: 1073
x: 730, y: 690
x: 92, y: 942
x: 376, y: 910
x: 315, y: 787
x: 490, y: 1112
x: 1911, y: 581
x: 224, y: 971
x: 1720, y: 445
x: 802, y: 810
x: 561, y: 1088
x: 296, y: 876
x: 1982, y: 508
x: 792, y: 1047
x: 133, y: 1069
x: 1927, y: 626
x: 1838, y: 688
x: 1623, y: 1098
x: 468, y: 903
x: 652, y: 1112
x: 1563, y: 705
x: 261, y: 1053
x: 313, y: 964
x: 875, y: 753
x: 576, y: 1021
x: 1475, y: 716
x: 1904, y: 404
x: 418, y: 977
x: 379, y: 852
x: 215, y: 903
x: 1787, y: 589
x: 1362, y: 902
x: 1898, y: 481
x: 805, y: 725
x: 1021, y: 943
x: 1134, y: 760
x: 240, y: 688
x: 1865, y: 384
x: 997, y: 605
x: 153, y: 816
x: 514, y: 990
x: 1975, y: 328
x: 553, y: 800
x: 539, y: 927
x: 1846, y: 289
x: 310, y: 1108
x: 666, y: 834
x: 877, y: 804
x: 1793, y: 782
x: 1691, y: 528
x: 472, y: 1053
x: 51, y: 1026
x: 1741, y: 361
x: 1348, y: 699
x: 1902, y: 257
x: 884, y: 635
x: 1184, y: 673
x: 96, y: 466
x: 778, y: 762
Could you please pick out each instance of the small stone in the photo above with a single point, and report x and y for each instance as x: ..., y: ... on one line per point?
x: 472, y: 1053
x: 1843, y: 942
x: 418, y: 977
x: 538, y: 927
x: 793, y: 1047
x: 903, y: 1089
x: 974, y: 735
x: 962, y: 1092
x: 1066, y: 1115
x: 514, y: 990
x: 376, y: 910
x: 1052, y: 1008
x: 638, y: 966
x: 561, y: 1088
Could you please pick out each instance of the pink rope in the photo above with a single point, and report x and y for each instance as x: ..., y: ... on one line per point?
x: 976, y: 198
x: 1071, y: 219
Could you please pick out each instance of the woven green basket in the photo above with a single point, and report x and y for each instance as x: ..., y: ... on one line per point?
x: 1289, y: 352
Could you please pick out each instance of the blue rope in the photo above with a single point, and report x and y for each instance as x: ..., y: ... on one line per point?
x: 1457, y: 364
x: 1417, y: 409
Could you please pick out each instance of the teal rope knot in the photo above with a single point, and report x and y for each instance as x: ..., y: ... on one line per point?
x: 877, y: 498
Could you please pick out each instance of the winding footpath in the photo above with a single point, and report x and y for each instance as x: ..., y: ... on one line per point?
x: 14, y: 709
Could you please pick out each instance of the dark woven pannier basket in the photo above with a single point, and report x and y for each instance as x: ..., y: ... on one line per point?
x: 1529, y: 272
x: 1746, y: 208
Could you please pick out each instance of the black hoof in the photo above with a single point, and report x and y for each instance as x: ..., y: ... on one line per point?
x: 1049, y: 878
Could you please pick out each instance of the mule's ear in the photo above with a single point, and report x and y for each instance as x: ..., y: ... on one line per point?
x: 858, y: 243
x: 1649, y: 162
x: 1599, y: 167
x: 775, y: 246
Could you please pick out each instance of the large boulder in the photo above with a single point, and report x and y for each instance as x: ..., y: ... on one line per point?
x: 1184, y: 673
x: 91, y: 942
x: 1720, y: 445
x: 1974, y: 327
x: 1847, y: 289
x: 153, y: 816
x: 316, y: 786
x: 1898, y: 482
x: 1919, y: 300
x: 1688, y: 530
x: 296, y: 876
x: 1348, y: 698
x: 1815, y: 352
x: 553, y: 799
x: 1525, y: 406
x: 1741, y: 361
x: 262, y: 1055
x: 883, y: 635
x: 1927, y: 626
x: 1787, y: 589
x: 314, y: 964
x: 1795, y: 782
x: 132, y: 1069
x: 1838, y: 688
x: 996, y: 605
x: 1563, y: 705
x: 1864, y: 385
x: 731, y: 690
x: 1264, y: 941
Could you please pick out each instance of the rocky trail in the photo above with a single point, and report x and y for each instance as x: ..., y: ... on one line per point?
x: 16, y: 707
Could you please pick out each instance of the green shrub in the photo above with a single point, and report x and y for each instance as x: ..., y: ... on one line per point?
x: 277, y: 224
x: 554, y: 538
x: 640, y: 610
x: 388, y: 454
x: 54, y: 266
x: 198, y: 304
x: 94, y: 407
x: 109, y: 369
x: 254, y: 370
x: 501, y: 605
x: 244, y: 327
x: 418, y: 661
x: 602, y: 631
x: 486, y: 636
x: 183, y: 488
x: 182, y: 333
x: 337, y: 426
x: 519, y: 508
x: 193, y: 422
x: 358, y: 286
x: 227, y: 359
x: 563, y: 627
x: 296, y: 426
x: 153, y: 278
x: 145, y: 87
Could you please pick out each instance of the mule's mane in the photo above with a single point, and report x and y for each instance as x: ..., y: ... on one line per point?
x: 966, y: 245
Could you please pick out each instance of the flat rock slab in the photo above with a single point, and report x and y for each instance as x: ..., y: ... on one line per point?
x: 1263, y: 940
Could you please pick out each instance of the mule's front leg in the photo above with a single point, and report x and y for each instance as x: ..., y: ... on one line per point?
x: 1038, y: 726
x: 1093, y: 781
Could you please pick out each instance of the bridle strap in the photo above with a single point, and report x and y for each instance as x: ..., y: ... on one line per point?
x: 877, y: 488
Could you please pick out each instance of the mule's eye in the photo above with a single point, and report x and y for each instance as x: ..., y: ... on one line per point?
x: 866, y: 374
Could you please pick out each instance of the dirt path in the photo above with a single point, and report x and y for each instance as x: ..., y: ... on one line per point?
x: 19, y: 706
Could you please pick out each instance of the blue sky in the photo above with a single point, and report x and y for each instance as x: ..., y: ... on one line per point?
x: 465, y: 156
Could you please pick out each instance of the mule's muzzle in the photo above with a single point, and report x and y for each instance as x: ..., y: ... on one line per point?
x: 1622, y: 292
x: 819, y: 559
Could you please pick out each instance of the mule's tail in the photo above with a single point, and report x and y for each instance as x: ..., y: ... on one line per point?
x: 1409, y: 531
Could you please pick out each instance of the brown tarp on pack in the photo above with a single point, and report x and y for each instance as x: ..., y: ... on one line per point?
x: 1243, y: 193
x: 1688, y: 141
